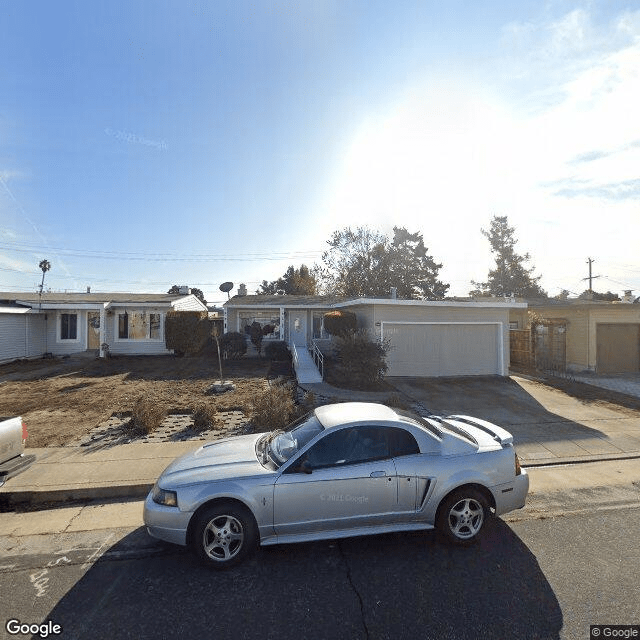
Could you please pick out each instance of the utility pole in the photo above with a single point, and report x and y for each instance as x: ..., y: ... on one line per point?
x: 591, y: 277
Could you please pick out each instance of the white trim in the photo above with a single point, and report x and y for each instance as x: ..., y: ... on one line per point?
x: 432, y: 303
x: 14, y: 310
x: 506, y: 304
x: 499, y: 325
x: 66, y: 307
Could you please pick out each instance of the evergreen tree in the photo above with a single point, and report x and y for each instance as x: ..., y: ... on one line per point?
x: 510, y: 277
x: 366, y: 263
x: 294, y: 282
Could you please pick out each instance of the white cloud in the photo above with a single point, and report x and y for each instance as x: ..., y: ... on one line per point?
x: 445, y: 158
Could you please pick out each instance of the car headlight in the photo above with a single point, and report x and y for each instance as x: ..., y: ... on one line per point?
x: 164, y: 497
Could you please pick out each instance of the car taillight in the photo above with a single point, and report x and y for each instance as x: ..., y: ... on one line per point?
x: 24, y: 433
x: 518, y: 469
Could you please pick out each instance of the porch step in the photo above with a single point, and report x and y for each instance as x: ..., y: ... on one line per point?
x: 306, y: 370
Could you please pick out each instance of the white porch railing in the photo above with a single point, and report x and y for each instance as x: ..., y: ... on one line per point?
x: 318, y: 358
x: 304, y: 364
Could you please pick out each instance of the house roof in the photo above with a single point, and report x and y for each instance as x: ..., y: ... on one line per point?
x: 578, y: 302
x: 29, y: 297
x: 343, y: 301
x: 285, y: 300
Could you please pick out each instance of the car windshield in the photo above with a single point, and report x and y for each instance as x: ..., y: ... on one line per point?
x: 298, y: 434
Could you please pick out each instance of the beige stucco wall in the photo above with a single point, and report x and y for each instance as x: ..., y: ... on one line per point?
x: 373, y: 317
x: 582, y: 321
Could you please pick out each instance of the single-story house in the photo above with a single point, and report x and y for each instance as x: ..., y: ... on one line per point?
x: 68, y: 323
x: 428, y: 338
x: 584, y: 335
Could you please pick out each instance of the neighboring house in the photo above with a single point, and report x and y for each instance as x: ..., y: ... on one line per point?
x: 428, y: 338
x: 584, y: 335
x: 67, y: 323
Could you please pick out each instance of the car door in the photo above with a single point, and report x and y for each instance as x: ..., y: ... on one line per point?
x: 352, y: 483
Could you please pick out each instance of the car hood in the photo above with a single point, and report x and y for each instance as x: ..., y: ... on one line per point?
x: 231, y: 458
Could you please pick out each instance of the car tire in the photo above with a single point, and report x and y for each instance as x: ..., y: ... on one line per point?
x: 224, y: 535
x: 462, y: 516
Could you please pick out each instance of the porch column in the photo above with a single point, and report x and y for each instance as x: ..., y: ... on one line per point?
x: 281, y: 323
x: 102, y: 332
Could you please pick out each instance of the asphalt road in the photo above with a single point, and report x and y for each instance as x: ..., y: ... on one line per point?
x: 532, y: 578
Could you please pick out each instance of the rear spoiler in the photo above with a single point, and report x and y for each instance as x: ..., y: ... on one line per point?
x: 497, y: 433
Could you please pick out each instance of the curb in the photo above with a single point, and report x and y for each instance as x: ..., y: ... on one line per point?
x: 599, y: 457
x: 48, y: 497
x: 73, y: 494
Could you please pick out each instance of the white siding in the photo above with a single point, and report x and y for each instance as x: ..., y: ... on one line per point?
x: 189, y: 303
x: 21, y: 336
x: 12, y: 336
x: 58, y: 346
x: 35, y: 336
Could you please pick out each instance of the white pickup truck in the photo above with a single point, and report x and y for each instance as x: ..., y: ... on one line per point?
x: 13, y: 434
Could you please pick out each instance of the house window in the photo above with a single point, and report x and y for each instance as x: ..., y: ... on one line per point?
x: 513, y: 324
x: 139, y: 326
x: 68, y: 326
x: 264, y: 318
x: 318, y: 325
x: 123, y: 326
x: 154, y: 326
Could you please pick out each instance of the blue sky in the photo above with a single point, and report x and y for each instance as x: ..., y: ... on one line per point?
x: 145, y: 144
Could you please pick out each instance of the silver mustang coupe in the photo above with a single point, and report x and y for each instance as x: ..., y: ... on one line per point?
x: 342, y: 470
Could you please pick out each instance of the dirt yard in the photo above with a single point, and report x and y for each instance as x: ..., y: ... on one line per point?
x: 61, y: 400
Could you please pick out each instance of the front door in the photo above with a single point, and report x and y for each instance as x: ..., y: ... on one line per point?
x: 93, y: 330
x: 298, y: 328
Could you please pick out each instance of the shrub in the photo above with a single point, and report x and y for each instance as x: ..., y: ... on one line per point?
x: 233, y: 345
x: 146, y: 416
x: 273, y: 409
x: 277, y: 350
x: 338, y: 323
x: 360, y: 362
x: 187, y: 332
x: 205, y: 416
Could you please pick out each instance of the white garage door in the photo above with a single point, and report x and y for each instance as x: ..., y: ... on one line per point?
x: 444, y: 349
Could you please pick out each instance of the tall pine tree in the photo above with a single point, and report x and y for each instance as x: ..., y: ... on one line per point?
x: 510, y: 277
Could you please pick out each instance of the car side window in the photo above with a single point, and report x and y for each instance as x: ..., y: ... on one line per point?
x: 402, y: 443
x: 349, y: 446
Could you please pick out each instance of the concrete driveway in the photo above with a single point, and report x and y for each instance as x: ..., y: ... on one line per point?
x: 548, y: 424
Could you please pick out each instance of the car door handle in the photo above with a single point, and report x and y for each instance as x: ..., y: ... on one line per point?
x: 378, y: 474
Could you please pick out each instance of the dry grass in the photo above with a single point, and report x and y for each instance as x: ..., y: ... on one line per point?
x: 146, y: 416
x: 273, y: 408
x: 205, y: 416
x: 63, y: 400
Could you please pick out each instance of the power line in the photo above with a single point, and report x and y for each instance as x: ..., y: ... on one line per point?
x: 160, y: 256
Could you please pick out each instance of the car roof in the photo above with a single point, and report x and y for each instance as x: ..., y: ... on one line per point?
x: 335, y: 415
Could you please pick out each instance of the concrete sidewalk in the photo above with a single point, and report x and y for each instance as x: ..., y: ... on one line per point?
x: 128, y: 471
x: 553, y: 491
x: 62, y: 474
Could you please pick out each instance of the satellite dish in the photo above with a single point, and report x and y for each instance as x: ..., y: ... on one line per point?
x: 226, y: 287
